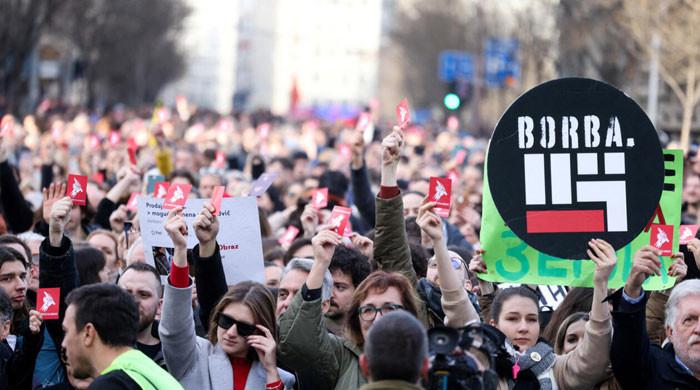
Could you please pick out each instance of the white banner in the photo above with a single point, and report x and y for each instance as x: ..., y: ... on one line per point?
x: 239, y: 238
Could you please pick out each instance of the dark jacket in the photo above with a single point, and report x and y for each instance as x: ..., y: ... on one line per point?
x: 636, y: 362
x: 362, y: 195
x: 17, y: 367
x: 18, y: 214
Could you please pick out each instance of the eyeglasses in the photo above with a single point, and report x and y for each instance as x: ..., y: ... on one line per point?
x: 243, y: 328
x: 369, y: 312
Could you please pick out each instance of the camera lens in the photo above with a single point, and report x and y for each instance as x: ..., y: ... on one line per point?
x: 441, y: 340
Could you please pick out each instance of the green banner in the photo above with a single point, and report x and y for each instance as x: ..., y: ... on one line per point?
x: 510, y: 260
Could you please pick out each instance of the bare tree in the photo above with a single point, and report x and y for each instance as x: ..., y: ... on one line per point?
x: 675, y: 23
x: 23, y: 22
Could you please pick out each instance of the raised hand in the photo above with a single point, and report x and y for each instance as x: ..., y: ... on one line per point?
x: 50, y: 195
x: 266, y: 348
x: 645, y: 264
x: 117, y: 219
x: 176, y: 227
x: 34, y: 321
x: 206, y: 227
x: 429, y: 222
x: 694, y: 247
x: 605, y: 259
x: 392, y: 145
x: 358, y: 150
x: 324, y: 243
x: 309, y: 220
x: 363, y: 244
x: 678, y: 269
x: 60, y: 215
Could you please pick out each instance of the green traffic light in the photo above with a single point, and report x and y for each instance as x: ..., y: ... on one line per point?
x: 451, y: 101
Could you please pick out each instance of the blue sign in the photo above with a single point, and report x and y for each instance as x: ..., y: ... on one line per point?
x: 455, y: 65
x: 500, y: 61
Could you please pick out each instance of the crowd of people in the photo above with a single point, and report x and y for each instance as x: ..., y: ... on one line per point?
x: 372, y: 310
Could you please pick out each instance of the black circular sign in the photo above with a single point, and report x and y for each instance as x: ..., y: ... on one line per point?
x: 575, y: 159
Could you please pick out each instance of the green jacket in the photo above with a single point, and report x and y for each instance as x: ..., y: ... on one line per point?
x: 144, y: 371
x: 304, y: 343
x: 390, y: 385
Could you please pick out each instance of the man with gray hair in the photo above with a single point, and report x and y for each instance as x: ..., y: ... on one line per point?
x: 640, y: 364
x: 293, y: 277
x: 396, y: 353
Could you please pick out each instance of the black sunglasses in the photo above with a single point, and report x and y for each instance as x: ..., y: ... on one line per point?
x: 243, y: 328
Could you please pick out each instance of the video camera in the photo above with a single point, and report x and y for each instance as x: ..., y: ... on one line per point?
x: 463, y: 358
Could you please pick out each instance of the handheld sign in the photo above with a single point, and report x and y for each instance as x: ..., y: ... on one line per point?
x: 47, y: 300
x: 687, y: 233
x: 319, y: 198
x: 216, y: 197
x: 160, y: 189
x: 132, y: 155
x: 403, y: 116
x: 440, y: 192
x: 362, y: 121
x: 662, y: 238
x: 571, y: 160
x: 263, y: 183
x: 289, y: 235
x: 340, y: 216
x: 77, y: 185
x: 133, y: 203
x: 177, y: 195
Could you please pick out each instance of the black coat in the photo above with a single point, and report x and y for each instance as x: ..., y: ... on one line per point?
x: 638, y: 363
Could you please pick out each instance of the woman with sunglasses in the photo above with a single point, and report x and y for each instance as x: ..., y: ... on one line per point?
x: 240, y: 352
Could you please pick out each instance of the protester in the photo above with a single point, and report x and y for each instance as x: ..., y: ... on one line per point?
x: 17, y: 364
x: 241, y: 349
x: 348, y: 268
x: 142, y: 281
x: 101, y: 325
x: 640, y: 364
x: 515, y: 312
x: 396, y: 353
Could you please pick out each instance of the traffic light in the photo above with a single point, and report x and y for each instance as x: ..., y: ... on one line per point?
x: 452, y: 101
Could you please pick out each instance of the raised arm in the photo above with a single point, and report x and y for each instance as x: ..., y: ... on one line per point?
x: 361, y: 189
x: 127, y: 178
x: 176, y: 328
x: 304, y: 342
x: 630, y: 353
x: 391, y: 250
x: 57, y: 262
x: 459, y: 311
x: 209, y: 271
x: 587, y: 365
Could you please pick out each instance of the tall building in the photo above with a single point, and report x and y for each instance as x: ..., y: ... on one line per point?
x: 313, y: 52
x: 209, y: 42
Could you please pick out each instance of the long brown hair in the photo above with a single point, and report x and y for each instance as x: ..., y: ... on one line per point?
x: 257, y: 298
x: 378, y: 282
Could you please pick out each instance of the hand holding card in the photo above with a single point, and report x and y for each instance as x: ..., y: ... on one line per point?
x: 177, y: 195
x: 76, y: 189
x: 216, y: 197
x: 440, y: 192
x: 339, y: 219
x: 661, y: 238
x: 47, y: 300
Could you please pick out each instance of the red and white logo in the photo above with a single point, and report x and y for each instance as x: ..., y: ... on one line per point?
x: 320, y: 198
x: 662, y: 238
x: 440, y: 192
x: 161, y: 189
x: 687, y: 233
x: 403, y: 116
x: 76, y: 189
x: 340, y: 216
x: 177, y: 195
x: 47, y: 302
x: 289, y: 235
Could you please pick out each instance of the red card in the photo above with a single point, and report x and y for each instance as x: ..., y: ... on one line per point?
x: 289, y: 235
x: 319, y: 198
x: 133, y: 203
x: 340, y: 216
x: 161, y: 189
x: 403, y: 116
x: 177, y: 195
x: 216, y: 198
x: 47, y: 302
x: 132, y: 155
x: 220, y: 160
x: 441, y: 193
x: 460, y: 156
x: 77, y: 185
x: 115, y: 138
x: 362, y: 121
x: 687, y: 233
x: 662, y: 238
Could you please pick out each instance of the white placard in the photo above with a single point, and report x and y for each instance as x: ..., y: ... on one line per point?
x: 239, y: 238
